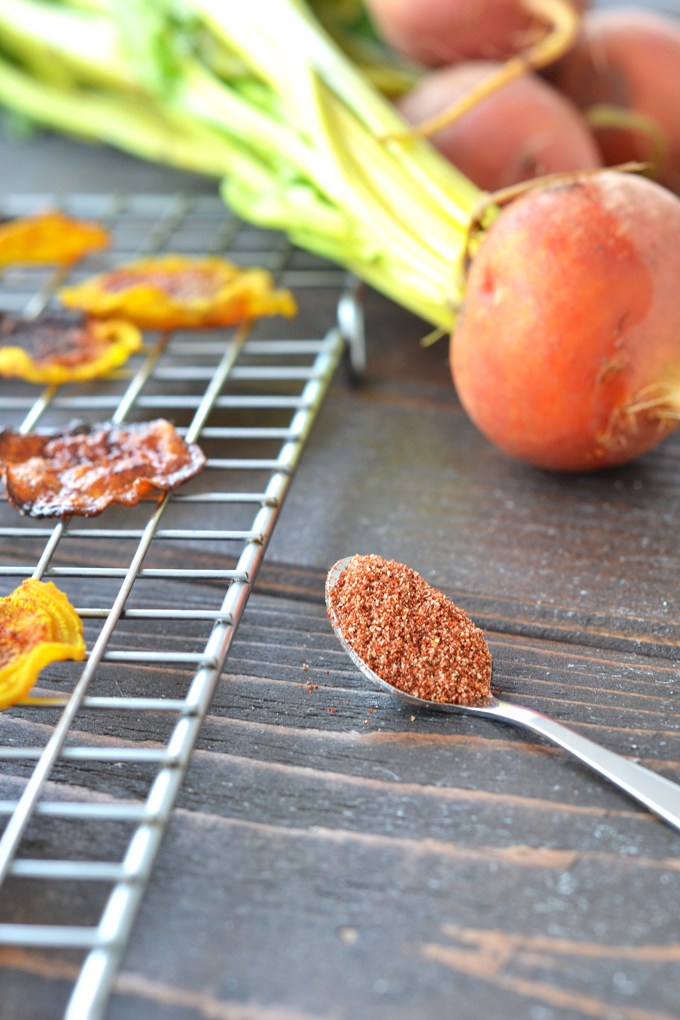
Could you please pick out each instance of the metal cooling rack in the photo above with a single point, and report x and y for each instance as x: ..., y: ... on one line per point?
x: 269, y: 389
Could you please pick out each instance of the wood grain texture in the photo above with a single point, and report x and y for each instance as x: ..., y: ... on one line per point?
x: 319, y: 867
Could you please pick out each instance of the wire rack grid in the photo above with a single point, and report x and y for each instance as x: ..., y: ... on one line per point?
x: 236, y: 393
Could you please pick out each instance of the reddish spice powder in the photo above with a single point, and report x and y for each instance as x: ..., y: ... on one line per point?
x: 410, y: 634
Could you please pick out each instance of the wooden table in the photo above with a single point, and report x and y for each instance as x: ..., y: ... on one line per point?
x: 335, y: 854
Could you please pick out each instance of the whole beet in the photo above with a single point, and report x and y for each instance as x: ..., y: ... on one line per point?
x: 567, y: 354
x: 629, y: 59
x: 522, y: 131
x: 437, y: 32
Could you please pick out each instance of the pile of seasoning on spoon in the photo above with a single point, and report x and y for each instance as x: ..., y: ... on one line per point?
x: 410, y: 634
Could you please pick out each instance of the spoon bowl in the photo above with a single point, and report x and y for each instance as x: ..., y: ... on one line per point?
x: 658, y: 794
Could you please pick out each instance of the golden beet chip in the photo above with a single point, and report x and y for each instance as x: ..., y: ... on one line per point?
x: 38, y: 625
x: 83, y: 469
x: 173, y: 292
x: 61, y: 347
x: 50, y: 238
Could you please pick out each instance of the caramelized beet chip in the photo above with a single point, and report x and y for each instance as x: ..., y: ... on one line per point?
x: 176, y: 291
x: 84, y: 469
x: 60, y: 347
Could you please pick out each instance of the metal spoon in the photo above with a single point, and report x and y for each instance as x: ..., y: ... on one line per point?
x: 658, y: 794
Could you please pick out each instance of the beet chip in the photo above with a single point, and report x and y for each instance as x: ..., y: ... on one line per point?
x: 84, y: 469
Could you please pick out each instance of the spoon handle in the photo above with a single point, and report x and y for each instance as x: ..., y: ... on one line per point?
x: 658, y: 794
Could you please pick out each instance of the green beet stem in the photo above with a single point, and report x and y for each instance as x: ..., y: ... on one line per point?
x: 290, y: 122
